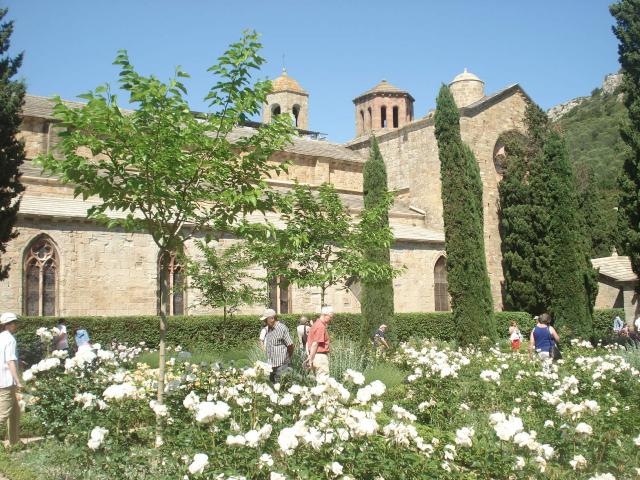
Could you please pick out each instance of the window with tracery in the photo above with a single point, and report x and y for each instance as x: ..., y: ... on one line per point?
x: 280, y: 295
x: 172, y: 278
x: 41, y: 278
x: 441, y: 286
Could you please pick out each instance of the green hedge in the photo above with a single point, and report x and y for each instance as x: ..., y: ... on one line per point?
x: 212, y: 333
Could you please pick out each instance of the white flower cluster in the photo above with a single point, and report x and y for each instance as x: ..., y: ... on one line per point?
x: 432, y: 361
x: 490, y: 376
x: 576, y: 410
x: 207, y: 412
x: 354, y: 377
x: 252, y: 438
x: 122, y: 391
x: 89, y: 400
x: 96, y: 438
x: 41, y: 366
x: 464, y: 436
x: 200, y: 462
x: 47, y: 334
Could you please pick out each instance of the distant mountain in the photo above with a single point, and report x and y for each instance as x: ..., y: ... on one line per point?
x: 591, y: 126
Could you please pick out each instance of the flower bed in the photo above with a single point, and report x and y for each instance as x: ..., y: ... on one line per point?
x: 460, y: 414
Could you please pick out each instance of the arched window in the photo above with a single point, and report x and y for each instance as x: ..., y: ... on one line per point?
x: 362, y: 120
x: 173, y: 273
x: 370, y: 118
x: 383, y: 117
x: 280, y: 295
x: 41, y: 278
x: 396, y: 119
x: 509, y: 144
x: 296, y: 113
x: 440, y: 286
x: 275, y: 110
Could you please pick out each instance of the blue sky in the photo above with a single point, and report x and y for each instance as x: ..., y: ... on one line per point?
x: 555, y: 50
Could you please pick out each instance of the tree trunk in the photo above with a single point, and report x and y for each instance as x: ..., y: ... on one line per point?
x: 162, y: 360
x: 323, y: 290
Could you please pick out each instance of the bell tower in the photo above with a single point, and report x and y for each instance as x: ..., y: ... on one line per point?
x: 384, y: 107
x: 287, y: 96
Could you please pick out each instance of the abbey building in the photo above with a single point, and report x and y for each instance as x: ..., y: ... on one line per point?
x: 63, y: 264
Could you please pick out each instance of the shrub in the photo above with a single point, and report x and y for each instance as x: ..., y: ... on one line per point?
x: 209, y: 333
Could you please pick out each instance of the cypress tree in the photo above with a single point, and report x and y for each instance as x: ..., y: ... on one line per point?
x: 627, y: 29
x: 11, y: 150
x: 467, y: 275
x: 377, y: 296
x: 520, y: 289
x: 571, y: 279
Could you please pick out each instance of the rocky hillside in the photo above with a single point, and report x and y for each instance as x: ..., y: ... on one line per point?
x: 591, y: 127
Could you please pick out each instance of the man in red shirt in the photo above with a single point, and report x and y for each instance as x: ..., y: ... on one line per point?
x: 318, y: 343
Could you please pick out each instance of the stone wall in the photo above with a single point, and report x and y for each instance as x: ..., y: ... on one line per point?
x: 411, y: 156
x: 609, y: 294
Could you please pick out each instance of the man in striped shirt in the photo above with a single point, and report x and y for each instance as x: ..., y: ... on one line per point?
x: 277, y: 345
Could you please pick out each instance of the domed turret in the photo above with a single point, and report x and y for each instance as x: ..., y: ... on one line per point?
x: 382, y: 107
x: 287, y: 96
x: 466, y: 89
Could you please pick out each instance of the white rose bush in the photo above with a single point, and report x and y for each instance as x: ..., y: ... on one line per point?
x: 460, y: 413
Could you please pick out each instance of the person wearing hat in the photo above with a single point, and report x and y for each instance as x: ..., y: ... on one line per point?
x: 380, y: 339
x: 278, y: 345
x: 9, y: 379
x: 318, y: 343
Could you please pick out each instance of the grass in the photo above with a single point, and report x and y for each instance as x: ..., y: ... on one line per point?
x: 387, y: 373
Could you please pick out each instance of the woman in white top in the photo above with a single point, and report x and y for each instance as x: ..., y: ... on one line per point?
x: 303, y: 332
x: 515, y: 336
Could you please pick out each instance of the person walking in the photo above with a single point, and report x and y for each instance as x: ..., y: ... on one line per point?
x: 515, y: 336
x: 617, y: 325
x: 543, y: 338
x: 61, y: 342
x: 318, y: 344
x: 10, y: 383
x: 380, y: 339
x: 278, y: 345
x: 302, y: 330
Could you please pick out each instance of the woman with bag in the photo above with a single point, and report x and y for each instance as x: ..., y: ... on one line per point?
x: 544, y: 339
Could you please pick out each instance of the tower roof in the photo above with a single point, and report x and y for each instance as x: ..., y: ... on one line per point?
x: 384, y: 87
x: 284, y: 83
x: 465, y: 76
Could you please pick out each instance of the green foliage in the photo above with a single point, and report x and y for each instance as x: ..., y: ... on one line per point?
x: 596, y: 149
x: 320, y: 245
x: 467, y: 274
x: 173, y: 174
x: 11, y: 150
x: 572, y: 280
x: 518, y: 232
x: 377, y: 296
x: 224, y: 277
x: 627, y: 29
x: 211, y: 334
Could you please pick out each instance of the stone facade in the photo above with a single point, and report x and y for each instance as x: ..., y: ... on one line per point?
x: 111, y: 272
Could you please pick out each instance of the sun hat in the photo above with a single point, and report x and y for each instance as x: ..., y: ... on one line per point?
x: 8, y: 317
x: 326, y: 310
x: 268, y: 313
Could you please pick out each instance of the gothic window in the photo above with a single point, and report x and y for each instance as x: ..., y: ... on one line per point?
x: 41, y: 278
x: 280, y: 295
x: 383, y: 117
x: 395, y: 117
x: 172, y: 278
x: 441, y: 287
x: 296, y: 114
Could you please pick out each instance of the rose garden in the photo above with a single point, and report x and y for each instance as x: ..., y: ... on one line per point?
x: 166, y: 397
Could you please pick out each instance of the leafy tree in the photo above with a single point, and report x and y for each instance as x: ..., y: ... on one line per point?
x: 225, y: 278
x: 627, y: 29
x: 11, y: 150
x: 320, y: 245
x: 467, y: 274
x: 172, y: 174
x: 377, y: 296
